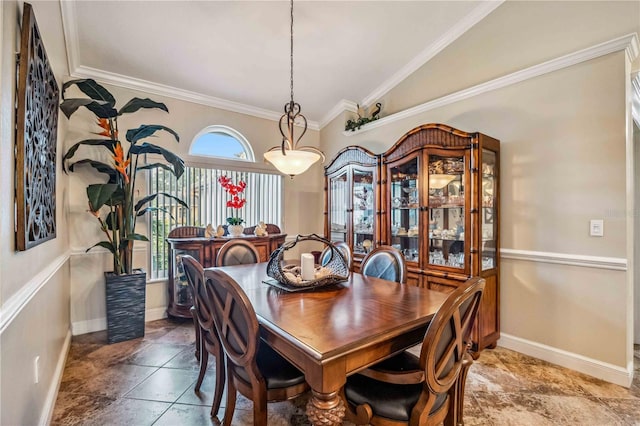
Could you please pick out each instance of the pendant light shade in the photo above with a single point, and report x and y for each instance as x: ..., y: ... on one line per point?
x: 289, y: 158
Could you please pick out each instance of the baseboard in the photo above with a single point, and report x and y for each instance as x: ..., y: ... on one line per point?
x: 98, y: 324
x: 52, y: 395
x: 598, y: 369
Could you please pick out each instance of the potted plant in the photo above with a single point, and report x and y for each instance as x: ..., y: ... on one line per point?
x: 113, y: 202
x: 235, y: 228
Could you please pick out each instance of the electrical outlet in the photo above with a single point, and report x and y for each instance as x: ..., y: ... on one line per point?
x: 36, y: 369
x: 596, y: 228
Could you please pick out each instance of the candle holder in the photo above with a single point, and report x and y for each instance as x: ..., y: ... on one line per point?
x: 336, y: 270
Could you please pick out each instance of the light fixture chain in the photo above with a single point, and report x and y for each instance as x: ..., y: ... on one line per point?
x: 291, y: 51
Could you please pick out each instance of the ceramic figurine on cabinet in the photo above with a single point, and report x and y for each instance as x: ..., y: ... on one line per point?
x: 209, y: 233
x: 219, y: 231
x: 261, y: 230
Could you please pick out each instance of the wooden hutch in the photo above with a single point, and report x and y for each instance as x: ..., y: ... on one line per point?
x: 434, y: 195
x: 191, y: 240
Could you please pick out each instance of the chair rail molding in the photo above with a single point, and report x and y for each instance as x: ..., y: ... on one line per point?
x: 628, y: 43
x: 16, y: 302
x: 602, y: 370
x: 611, y: 263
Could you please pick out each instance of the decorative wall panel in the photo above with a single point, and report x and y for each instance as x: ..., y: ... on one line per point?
x: 36, y: 134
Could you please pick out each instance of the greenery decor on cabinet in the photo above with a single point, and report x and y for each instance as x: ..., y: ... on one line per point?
x: 114, y: 203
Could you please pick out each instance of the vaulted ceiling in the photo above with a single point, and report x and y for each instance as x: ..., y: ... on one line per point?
x: 235, y: 54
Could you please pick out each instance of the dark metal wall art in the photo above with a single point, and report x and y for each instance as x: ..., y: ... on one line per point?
x: 36, y: 139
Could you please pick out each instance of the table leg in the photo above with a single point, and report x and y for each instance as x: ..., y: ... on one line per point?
x: 325, y: 409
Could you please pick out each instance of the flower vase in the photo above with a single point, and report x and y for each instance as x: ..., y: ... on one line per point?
x: 235, y: 230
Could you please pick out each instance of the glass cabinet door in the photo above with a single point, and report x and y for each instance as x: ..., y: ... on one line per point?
x: 363, y: 211
x: 338, y: 207
x: 446, y: 211
x: 405, y: 209
x: 488, y: 210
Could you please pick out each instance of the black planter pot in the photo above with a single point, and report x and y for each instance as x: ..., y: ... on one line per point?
x: 125, y: 305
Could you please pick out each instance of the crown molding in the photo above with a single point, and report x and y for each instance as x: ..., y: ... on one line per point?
x: 627, y: 43
x: 461, y: 27
x: 343, y: 106
x: 69, y: 19
x: 176, y: 93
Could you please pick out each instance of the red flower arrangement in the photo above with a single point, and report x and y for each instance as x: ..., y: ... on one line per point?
x: 235, y: 202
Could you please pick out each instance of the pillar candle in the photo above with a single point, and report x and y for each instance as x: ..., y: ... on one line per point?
x: 308, y: 267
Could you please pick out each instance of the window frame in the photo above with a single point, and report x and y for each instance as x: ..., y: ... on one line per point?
x: 218, y: 128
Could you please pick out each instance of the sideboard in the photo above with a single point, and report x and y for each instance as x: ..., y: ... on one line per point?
x: 191, y: 241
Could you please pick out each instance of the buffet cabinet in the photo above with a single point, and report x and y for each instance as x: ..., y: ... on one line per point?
x: 436, y: 200
x: 191, y: 240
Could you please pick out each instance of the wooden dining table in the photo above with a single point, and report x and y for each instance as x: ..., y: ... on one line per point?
x: 334, y: 331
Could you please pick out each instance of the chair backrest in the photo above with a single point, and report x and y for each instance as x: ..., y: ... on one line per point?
x: 385, y: 262
x: 446, y: 341
x: 325, y: 256
x: 195, y: 277
x: 186, y: 232
x: 237, y: 252
x: 235, y: 319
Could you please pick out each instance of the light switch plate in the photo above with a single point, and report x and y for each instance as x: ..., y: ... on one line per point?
x: 596, y: 228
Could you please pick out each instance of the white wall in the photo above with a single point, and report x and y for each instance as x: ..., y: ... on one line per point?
x: 563, y: 162
x: 34, y: 284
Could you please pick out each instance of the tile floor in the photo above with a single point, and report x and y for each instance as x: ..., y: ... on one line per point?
x: 150, y: 381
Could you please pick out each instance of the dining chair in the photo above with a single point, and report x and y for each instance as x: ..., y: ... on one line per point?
x: 325, y: 256
x: 237, y: 252
x: 206, y: 336
x: 427, y: 390
x: 385, y: 262
x: 254, y: 369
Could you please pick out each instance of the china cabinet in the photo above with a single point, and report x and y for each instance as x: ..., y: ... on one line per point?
x: 352, y: 198
x: 437, y: 198
x: 191, y: 240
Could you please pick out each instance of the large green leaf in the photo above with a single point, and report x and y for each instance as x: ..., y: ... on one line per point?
x: 136, y: 103
x: 99, y: 194
x: 99, y: 166
x: 92, y: 89
x: 107, y: 143
x: 174, y: 160
x: 100, y: 108
x: 105, y: 244
x: 117, y: 198
x: 136, y: 237
x: 146, y: 130
x: 109, y: 220
x: 155, y: 166
x: 152, y: 197
x: 155, y: 209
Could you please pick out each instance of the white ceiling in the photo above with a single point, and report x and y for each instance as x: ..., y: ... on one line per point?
x: 235, y: 54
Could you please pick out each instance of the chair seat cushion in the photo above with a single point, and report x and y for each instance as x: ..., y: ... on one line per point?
x: 277, y: 371
x: 404, y: 361
x: 386, y: 400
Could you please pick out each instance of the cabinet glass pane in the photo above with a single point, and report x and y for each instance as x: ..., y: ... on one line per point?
x: 338, y: 205
x: 488, y: 210
x: 181, y: 291
x: 363, y: 211
x: 446, y: 211
x: 405, y: 210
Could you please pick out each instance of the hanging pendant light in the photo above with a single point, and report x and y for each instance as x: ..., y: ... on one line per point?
x: 289, y: 158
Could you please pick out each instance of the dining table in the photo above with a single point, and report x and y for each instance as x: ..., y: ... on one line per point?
x: 334, y: 331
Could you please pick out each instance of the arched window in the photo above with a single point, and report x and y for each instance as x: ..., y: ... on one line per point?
x: 222, y: 142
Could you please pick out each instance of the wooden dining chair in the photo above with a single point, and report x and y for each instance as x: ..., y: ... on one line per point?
x: 385, y: 262
x: 237, y: 252
x: 206, y: 334
x: 254, y: 369
x: 325, y: 256
x: 427, y: 390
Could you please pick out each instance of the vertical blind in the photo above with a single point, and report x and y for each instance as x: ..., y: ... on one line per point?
x: 207, y: 202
